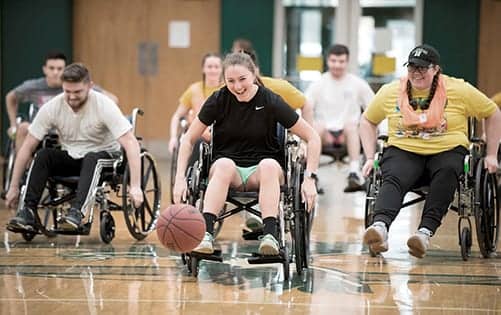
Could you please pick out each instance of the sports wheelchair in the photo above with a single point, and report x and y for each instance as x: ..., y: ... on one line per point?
x: 10, y: 148
x: 110, y: 175
x: 294, y: 221
x: 476, y: 196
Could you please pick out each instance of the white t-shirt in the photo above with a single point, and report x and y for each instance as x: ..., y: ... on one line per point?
x: 95, y: 127
x: 338, y: 101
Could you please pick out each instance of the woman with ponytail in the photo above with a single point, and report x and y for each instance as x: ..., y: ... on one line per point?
x: 427, y: 115
x: 196, y: 94
x: 246, y: 154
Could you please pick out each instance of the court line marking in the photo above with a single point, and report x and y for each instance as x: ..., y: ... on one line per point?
x: 288, y: 303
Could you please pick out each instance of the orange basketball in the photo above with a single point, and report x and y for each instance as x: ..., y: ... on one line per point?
x: 181, y: 227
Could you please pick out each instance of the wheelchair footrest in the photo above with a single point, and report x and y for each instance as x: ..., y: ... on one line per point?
x: 21, y: 230
x: 84, y: 229
x: 215, y: 256
x: 251, y: 235
x: 262, y: 259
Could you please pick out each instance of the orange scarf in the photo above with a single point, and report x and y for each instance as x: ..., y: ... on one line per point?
x: 428, y: 118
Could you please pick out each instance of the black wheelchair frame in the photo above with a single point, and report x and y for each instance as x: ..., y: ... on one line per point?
x: 294, y: 221
x: 110, y: 175
x: 477, y: 196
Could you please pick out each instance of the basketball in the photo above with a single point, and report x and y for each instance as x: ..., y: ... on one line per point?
x: 181, y: 227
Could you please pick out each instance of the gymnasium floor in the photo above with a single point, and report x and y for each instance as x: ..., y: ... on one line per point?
x: 82, y: 275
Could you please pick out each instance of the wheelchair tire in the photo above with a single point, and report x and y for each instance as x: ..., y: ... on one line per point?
x: 28, y: 237
x: 141, y: 221
x: 173, y: 168
x: 286, y: 264
x: 465, y: 243
x: 8, y: 166
x: 370, y: 202
x: 486, y: 210
x: 107, y: 227
x: 194, y: 265
x: 301, y: 228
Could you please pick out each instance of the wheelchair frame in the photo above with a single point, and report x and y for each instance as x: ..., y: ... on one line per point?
x: 109, y: 175
x: 293, y: 218
x: 476, y: 196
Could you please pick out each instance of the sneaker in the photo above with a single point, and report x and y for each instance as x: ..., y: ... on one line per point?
x: 376, y: 237
x: 207, y: 245
x: 73, y: 217
x: 354, y: 183
x: 24, y: 220
x: 268, y: 246
x: 419, y: 243
x: 253, y: 222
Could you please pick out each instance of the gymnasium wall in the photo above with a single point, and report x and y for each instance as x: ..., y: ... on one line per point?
x: 29, y: 29
x: 489, y: 48
x: 452, y: 27
x: 252, y: 20
x: 125, y: 43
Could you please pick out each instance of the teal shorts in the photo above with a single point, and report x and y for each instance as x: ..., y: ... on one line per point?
x: 246, y: 172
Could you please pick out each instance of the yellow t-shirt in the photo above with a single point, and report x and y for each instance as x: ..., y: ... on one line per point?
x: 463, y: 101
x: 193, y: 99
x: 497, y: 99
x: 287, y: 91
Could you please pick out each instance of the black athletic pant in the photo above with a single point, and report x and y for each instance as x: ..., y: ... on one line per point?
x: 55, y: 162
x: 401, y: 171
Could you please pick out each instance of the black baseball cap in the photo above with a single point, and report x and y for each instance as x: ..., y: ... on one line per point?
x: 423, y: 55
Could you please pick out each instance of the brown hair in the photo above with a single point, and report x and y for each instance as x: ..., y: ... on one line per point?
x: 241, y: 59
x: 205, y: 57
x: 76, y: 72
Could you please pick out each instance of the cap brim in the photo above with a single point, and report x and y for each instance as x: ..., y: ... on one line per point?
x: 418, y: 62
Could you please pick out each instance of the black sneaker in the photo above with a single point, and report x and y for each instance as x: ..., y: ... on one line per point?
x: 24, y: 220
x: 354, y: 183
x: 73, y: 217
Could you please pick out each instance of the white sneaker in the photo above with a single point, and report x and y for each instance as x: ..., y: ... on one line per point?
x: 253, y: 222
x: 207, y: 245
x: 269, y: 246
x: 376, y: 237
x: 419, y: 243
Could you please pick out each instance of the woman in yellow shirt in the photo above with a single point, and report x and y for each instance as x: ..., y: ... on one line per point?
x: 427, y: 115
x: 195, y: 95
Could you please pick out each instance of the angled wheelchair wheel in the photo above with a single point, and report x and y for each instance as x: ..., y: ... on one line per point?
x: 173, y: 168
x: 370, y: 201
x: 301, y: 232
x: 8, y: 167
x: 141, y: 221
x: 486, y: 210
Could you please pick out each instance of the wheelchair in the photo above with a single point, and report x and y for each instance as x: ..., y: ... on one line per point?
x: 10, y: 148
x: 110, y: 176
x: 476, y: 196
x: 294, y: 220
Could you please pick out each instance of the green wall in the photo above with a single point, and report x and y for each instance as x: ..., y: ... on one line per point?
x: 252, y: 20
x: 452, y: 26
x: 30, y: 29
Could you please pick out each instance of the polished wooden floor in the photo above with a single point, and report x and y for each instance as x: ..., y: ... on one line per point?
x: 82, y: 275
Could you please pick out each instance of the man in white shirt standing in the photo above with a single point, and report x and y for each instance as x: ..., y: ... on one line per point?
x: 90, y: 127
x: 338, y: 99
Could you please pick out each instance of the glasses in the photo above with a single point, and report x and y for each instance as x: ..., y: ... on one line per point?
x: 420, y: 69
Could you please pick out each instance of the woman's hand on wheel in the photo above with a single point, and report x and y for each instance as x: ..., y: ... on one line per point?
x: 367, y: 168
x: 309, y: 193
x: 179, y: 190
x: 491, y: 163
